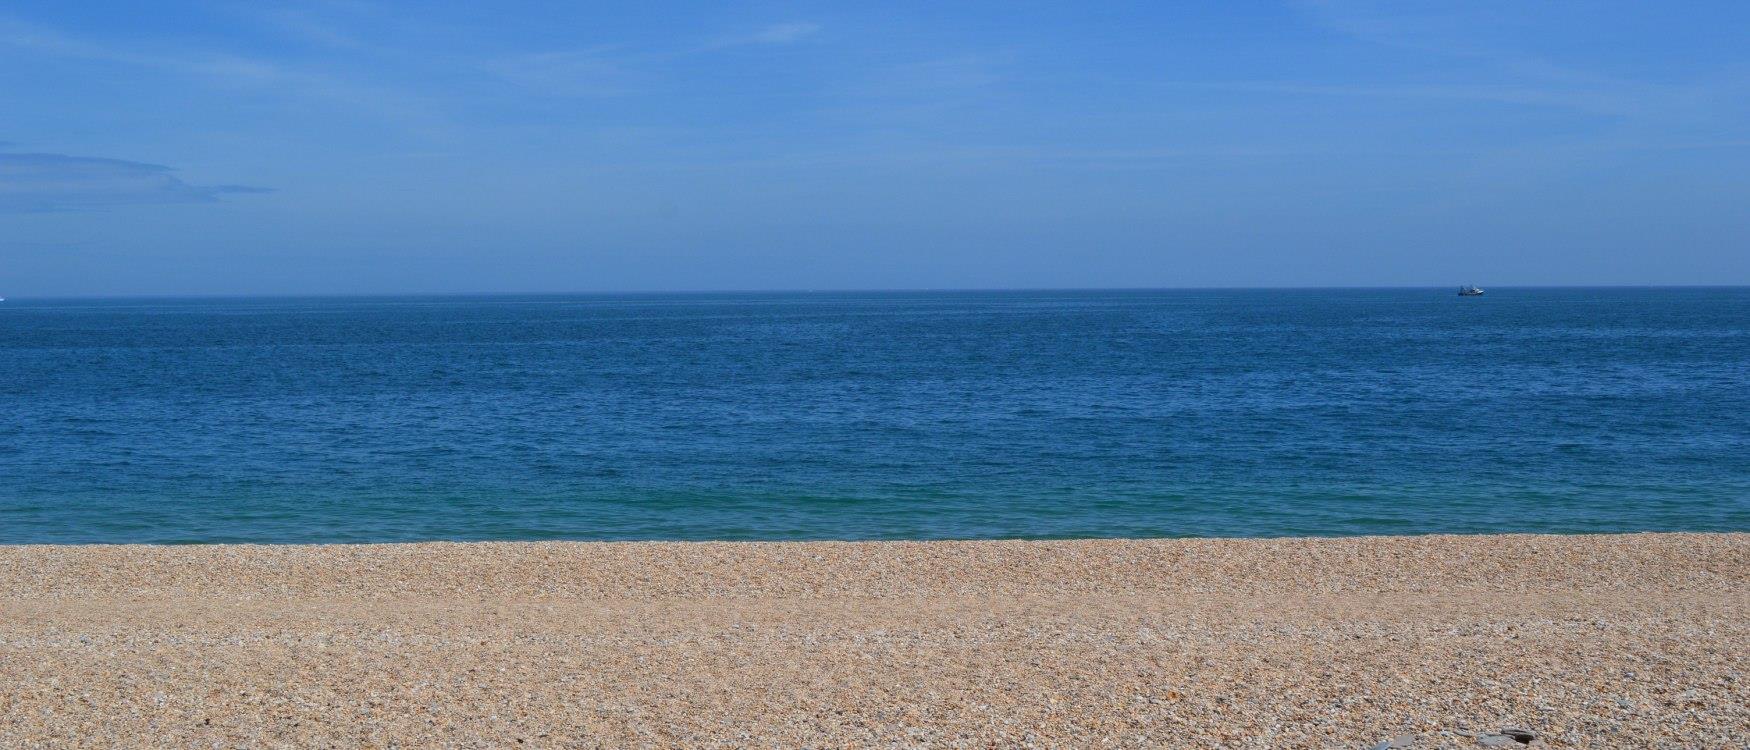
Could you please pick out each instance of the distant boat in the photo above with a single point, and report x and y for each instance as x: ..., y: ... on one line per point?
x: 1470, y: 291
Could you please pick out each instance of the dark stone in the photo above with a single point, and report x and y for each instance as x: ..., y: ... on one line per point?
x: 1522, y: 736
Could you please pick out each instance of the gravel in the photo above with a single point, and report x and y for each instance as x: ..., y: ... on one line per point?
x: 1585, y: 641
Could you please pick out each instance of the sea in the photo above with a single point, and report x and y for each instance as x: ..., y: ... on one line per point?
x: 901, y: 415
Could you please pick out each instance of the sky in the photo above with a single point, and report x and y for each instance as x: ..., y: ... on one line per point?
x: 358, y: 147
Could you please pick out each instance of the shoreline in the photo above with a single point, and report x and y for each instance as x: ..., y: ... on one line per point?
x: 1588, y: 640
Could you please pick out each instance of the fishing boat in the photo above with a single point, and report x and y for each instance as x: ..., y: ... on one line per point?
x: 1470, y: 291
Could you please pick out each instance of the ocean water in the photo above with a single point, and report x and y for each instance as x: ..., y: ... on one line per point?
x: 875, y: 416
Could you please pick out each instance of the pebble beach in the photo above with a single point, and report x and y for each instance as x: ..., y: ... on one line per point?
x: 1627, y: 641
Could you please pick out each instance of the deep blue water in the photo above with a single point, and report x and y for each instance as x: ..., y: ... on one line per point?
x: 853, y: 416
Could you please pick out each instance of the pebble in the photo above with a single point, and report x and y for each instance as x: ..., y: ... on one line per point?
x: 1507, y: 737
x: 1519, y: 734
x: 1282, y: 643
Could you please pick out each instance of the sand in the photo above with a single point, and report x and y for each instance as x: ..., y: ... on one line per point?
x: 1629, y: 641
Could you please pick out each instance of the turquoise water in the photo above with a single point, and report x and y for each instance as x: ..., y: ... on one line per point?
x: 857, y: 416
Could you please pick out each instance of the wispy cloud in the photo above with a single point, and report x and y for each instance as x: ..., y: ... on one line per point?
x: 597, y: 71
x: 959, y: 74
x: 777, y: 33
x: 1594, y: 100
x: 58, y: 182
x: 609, y: 70
x: 1497, y: 44
x: 230, y: 71
x: 306, y: 27
x: 49, y: 42
x: 1415, y: 26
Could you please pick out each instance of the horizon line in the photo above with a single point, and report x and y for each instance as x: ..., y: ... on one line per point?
x: 832, y: 290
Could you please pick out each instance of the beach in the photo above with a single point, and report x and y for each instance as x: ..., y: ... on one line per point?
x: 1629, y: 641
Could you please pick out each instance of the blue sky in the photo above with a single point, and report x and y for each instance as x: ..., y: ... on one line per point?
x: 360, y: 147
